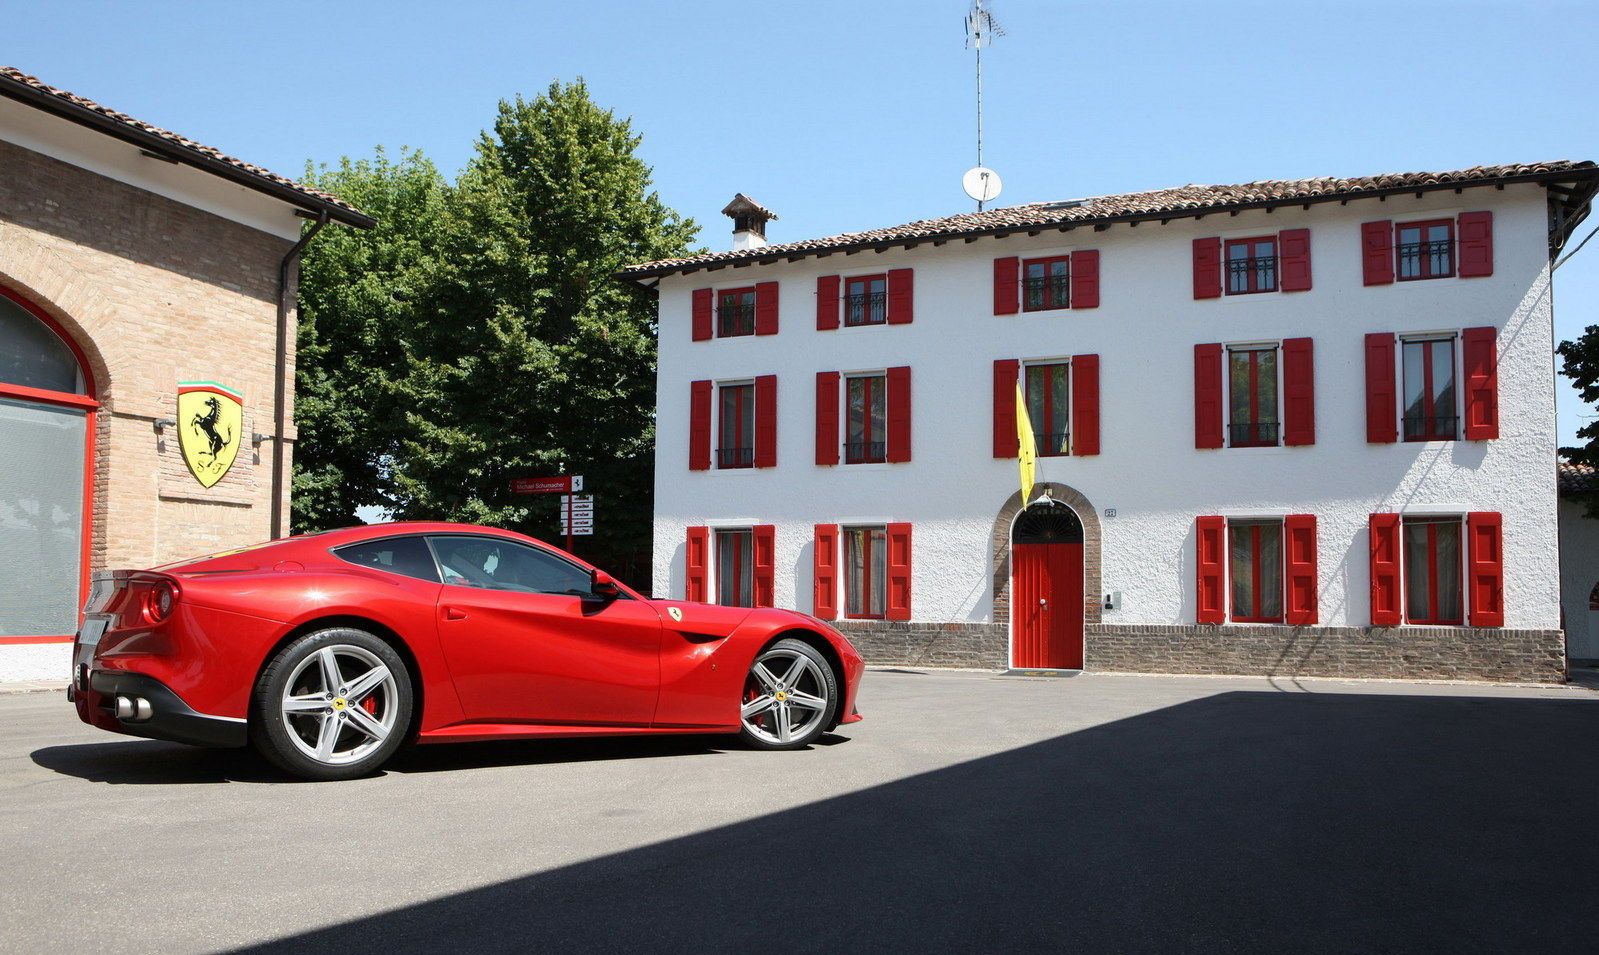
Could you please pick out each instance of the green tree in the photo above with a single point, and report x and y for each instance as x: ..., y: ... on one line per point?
x: 360, y: 293
x: 1579, y: 361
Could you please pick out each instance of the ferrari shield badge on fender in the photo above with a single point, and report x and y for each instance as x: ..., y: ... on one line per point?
x: 210, y: 418
x: 676, y: 613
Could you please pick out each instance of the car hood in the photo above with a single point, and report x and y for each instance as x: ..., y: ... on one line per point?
x: 714, y: 620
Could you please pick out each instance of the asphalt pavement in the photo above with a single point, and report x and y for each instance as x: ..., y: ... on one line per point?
x: 969, y: 811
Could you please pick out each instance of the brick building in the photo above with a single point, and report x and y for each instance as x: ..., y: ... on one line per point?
x: 146, y: 354
x: 1297, y: 427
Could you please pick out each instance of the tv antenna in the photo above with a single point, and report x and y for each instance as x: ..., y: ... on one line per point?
x: 980, y: 182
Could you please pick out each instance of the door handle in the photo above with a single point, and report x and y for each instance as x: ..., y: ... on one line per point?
x: 454, y: 613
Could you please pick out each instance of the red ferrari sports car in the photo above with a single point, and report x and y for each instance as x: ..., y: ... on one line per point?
x: 330, y: 651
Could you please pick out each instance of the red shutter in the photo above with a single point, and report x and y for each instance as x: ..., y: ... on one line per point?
x: 1480, y: 359
x: 1299, y: 392
x: 1293, y: 246
x: 1207, y: 396
x: 766, y: 421
x: 1476, y: 244
x: 702, y: 314
x: 899, y: 572
x: 1085, y: 279
x: 1299, y: 561
x: 1381, y: 397
x: 1007, y: 286
x: 1085, y: 405
x: 695, y: 563
x: 1005, y: 441
x: 1377, y: 251
x: 824, y: 576
x: 827, y: 302
x: 1210, y: 554
x: 1207, y: 268
x: 1485, y: 564
x: 699, y: 426
x: 901, y: 298
x: 1385, y: 570
x: 899, y: 414
x: 766, y: 308
x: 827, y: 418
x: 765, y: 560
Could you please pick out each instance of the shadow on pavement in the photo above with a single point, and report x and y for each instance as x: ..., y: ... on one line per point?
x: 1244, y: 821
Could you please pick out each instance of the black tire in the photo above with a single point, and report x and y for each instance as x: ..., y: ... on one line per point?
x: 270, y: 730
x: 818, y: 680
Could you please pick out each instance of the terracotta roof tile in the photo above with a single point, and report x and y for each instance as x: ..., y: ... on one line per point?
x: 1577, y: 478
x: 1178, y: 202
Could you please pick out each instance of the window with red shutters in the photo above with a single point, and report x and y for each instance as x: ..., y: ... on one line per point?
x: 865, y: 300
x: 1046, y: 283
x: 1476, y: 244
x: 1207, y: 396
x: 1425, y: 250
x: 1480, y: 361
x: 827, y: 418
x: 1251, y: 265
x: 1255, y: 569
x: 824, y: 572
x: 699, y: 426
x: 696, y: 564
x: 735, y: 312
x: 1210, y: 596
x: 1299, y: 392
x: 1007, y: 276
x: 1432, y: 411
x: 735, y: 568
x: 1085, y: 404
x: 766, y: 308
x: 1049, y: 407
x: 899, y: 572
x: 899, y: 414
x: 1294, y: 260
x: 1085, y: 279
x: 866, y: 419
x: 1385, y: 576
x: 735, y: 446
x: 766, y: 421
x: 1432, y: 571
x: 1006, y: 371
x: 1252, y: 414
x: 1382, y: 408
x: 1486, y: 568
x: 1207, y: 268
x: 827, y: 302
x: 901, y: 296
x: 763, y: 565
x: 865, y: 572
x: 1377, y: 252
x: 700, y: 323
x: 1299, y: 561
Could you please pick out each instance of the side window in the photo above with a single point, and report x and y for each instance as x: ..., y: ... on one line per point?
x: 496, y: 564
x: 397, y: 555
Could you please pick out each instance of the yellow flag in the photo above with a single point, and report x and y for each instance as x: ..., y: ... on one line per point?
x: 1026, y: 446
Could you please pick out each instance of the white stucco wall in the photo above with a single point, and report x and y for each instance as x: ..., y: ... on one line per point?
x: 1579, y: 574
x: 36, y: 661
x: 1148, y: 469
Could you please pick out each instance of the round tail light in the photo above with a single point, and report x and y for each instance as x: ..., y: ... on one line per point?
x: 162, y: 598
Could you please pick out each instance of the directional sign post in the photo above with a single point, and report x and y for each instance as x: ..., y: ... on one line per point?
x: 577, y: 514
x: 566, y: 485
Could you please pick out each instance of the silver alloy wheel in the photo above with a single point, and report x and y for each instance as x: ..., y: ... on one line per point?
x: 785, y: 696
x: 339, y: 704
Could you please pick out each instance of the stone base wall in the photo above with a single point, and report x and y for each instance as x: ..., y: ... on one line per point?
x: 1425, y: 653
x: 891, y: 642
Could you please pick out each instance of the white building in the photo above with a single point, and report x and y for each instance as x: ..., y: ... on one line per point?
x: 1302, y: 427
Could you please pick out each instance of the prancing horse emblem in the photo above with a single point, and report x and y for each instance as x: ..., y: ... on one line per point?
x: 676, y: 613
x: 210, y: 418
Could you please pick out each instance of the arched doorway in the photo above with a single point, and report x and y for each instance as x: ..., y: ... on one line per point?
x: 1046, y: 549
x: 47, y: 417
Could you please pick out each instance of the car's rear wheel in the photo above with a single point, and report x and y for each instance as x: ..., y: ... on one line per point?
x: 789, y: 697
x: 334, y: 704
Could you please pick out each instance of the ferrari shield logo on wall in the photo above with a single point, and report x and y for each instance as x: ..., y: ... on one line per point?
x: 210, y: 418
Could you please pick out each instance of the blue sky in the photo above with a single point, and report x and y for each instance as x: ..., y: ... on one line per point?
x: 842, y: 116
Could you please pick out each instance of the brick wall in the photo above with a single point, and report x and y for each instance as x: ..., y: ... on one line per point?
x: 154, y: 292
x: 885, y: 642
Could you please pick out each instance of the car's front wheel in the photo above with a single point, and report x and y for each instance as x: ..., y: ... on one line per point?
x: 334, y: 704
x: 789, y: 696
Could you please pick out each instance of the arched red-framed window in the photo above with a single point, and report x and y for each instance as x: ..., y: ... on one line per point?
x: 48, y: 408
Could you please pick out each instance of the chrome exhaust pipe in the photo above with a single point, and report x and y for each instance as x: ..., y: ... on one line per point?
x: 134, y: 710
x: 124, y: 708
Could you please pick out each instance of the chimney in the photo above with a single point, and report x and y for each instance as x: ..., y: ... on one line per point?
x: 749, y: 222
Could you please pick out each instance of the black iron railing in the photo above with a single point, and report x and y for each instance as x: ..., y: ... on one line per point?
x: 1262, y: 268
x: 1434, y: 428
x: 1252, y: 434
x: 1047, y: 291
x: 735, y: 457
x: 736, y: 319
x: 866, y: 308
x: 1426, y: 259
x: 1053, y: 444
x: 865, y: 452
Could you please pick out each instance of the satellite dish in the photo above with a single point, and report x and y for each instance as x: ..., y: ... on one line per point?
x: 981, y: 183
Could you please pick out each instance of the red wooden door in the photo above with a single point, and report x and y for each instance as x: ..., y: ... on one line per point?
x: 1047, y: 605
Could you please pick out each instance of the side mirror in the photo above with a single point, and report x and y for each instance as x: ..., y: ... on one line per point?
x: 603, y: 586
